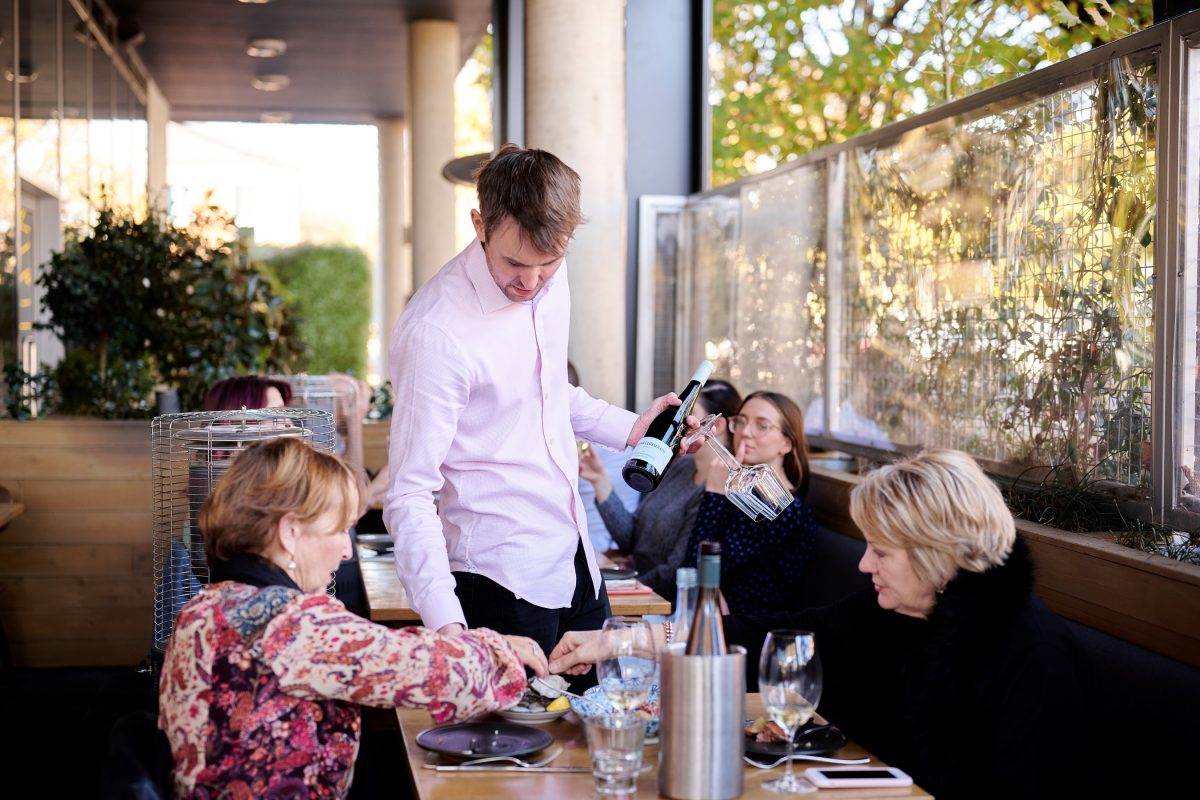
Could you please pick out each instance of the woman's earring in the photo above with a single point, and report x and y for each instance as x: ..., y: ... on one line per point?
x: 291, y: 562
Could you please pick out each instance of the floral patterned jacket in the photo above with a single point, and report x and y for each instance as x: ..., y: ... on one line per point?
x: 261, y: 687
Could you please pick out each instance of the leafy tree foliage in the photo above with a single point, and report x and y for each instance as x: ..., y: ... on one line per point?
x: 790, y: 76
x: 329, y: 288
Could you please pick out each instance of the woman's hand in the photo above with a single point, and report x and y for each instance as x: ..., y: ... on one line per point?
x: 576, y: 652
x: 718, y: 474
x: 592, y: 470
x: 530, y: 653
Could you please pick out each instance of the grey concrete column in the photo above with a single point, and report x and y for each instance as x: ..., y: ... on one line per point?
x: 575, y: 108
x: 395, y: 265
x: 158, y: 114
x: 434, y: 63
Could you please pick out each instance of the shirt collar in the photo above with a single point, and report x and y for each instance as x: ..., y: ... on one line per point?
x: 486, y: 291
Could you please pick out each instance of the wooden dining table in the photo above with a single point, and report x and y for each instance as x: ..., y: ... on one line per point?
x: 568, y: 733
x: 387, y: 601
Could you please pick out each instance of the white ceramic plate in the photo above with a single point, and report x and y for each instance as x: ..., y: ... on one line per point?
x: 532, y: 717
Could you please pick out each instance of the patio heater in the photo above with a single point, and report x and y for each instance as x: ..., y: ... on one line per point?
x: 338, y: 396
x: 189, y: 454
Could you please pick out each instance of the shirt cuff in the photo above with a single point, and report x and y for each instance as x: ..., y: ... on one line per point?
x: 613, y: 427
x: 439, y: 611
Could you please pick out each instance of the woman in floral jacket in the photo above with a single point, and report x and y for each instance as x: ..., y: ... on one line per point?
x: 265, y: 672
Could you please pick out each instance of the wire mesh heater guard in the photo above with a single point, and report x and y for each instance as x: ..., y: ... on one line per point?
x: 189, y: 454
x: 338, y: 395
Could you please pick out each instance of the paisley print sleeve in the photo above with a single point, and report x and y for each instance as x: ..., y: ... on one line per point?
x: 321, y: 650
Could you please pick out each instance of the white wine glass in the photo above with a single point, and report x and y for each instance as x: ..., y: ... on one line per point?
x: 626, y: 672
x: 789, y: 680
x: 755, y: 488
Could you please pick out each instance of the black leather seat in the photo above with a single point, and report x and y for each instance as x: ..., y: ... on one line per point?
x: 138, y: 766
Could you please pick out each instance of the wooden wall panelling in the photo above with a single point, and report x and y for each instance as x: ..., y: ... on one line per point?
x: 375, y: 444
x: 77, y: 564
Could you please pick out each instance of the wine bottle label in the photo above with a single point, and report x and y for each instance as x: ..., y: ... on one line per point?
x: 653, y: 452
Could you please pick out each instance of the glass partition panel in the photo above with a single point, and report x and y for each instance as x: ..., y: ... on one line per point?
x: 1189, y: 192
x: 37, y: 134
x: 712, y: 232
x: 778, y: 340
x: 11, y: 316
x: 79, y: 50
x: 661, y: 219
x: 122, y: 179
x: 100, y: 127
x: 138, y: 154
x: 997, y: 293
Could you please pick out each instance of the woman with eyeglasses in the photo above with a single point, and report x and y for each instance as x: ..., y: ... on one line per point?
x: 762, y: 563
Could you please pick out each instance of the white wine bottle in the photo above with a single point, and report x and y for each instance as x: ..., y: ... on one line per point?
x: 657, y: 449
x: 685, y: 603
x: 707, y: 636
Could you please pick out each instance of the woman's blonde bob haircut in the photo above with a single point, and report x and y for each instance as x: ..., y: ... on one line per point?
x: 267, y: 481
x: 942, y: 508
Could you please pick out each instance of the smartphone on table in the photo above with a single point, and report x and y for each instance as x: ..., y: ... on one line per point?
x: 856, y: 777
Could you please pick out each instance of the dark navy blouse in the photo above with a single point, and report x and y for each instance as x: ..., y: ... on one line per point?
x: 762, y: 563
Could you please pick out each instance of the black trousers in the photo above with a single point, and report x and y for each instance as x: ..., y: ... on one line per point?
x: 487, y: 604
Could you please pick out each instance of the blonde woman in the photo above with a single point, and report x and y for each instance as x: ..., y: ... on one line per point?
x: 949, y: 667
x: 264, y: 675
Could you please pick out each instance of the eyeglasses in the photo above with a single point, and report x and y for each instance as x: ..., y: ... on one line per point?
x: 745, y: 425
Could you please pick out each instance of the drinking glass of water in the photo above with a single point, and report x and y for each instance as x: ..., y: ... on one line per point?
x: 615, y: 744
x: 789, y: 680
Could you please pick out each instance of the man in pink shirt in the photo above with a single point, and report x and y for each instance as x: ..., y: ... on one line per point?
x: 484, y: 415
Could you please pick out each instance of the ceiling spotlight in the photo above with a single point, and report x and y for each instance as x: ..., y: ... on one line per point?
x: 24, y: 74
x: 266, y: 48
x: 255, y: 2
x: 270, y: 82
x: 276, y: 116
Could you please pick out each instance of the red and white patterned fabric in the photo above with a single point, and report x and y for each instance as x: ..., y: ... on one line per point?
x: 261, y: 686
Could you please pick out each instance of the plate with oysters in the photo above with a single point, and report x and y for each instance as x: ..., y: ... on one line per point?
x: 540, y: 704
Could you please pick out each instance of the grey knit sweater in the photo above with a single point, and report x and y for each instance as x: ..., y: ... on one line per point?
x: 656, y: 535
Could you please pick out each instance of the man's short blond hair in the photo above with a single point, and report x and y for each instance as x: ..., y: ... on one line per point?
x: 268, y: 480
x: 941, y: 507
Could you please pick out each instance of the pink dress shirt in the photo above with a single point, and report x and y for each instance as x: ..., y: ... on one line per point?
x: 483, y: 412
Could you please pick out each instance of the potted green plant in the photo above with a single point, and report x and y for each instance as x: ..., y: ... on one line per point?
x: 140, y: 303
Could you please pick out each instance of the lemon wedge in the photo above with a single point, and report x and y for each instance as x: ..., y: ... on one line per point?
x: 558, y: 704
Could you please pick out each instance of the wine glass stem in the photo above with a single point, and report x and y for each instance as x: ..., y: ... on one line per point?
x: 724, y: 455
x: 788, y: 777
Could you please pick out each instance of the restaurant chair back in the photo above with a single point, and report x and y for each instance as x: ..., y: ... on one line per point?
x: 138, y: 764
x: 832, y: 571
x: 1148, y: 702
x: 6, y: 661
